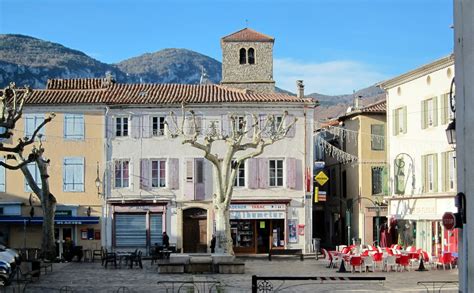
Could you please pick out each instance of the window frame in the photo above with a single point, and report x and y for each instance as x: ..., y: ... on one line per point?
x: 451, y: 171
x: 240, y: 181
x: 122, y: 178
x: 74, y: 116
x: 374, y: 171
x: 160, y: 179
x: 158, y: 132
x: 251, y: 56
x: 37, y: 120
x: 242, y: 56
x: 276, y: 178
x: 120, y: 132
x: 35, y: 173
x: 80, y: 185
x: 374, y: 140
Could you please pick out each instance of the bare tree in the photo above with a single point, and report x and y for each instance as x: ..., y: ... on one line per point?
x: 24, y: 152
x: 241, y: 143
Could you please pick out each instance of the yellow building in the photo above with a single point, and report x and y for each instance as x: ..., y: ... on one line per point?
x: 74, y: 144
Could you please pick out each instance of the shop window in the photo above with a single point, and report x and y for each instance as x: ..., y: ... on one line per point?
x: 242, y: 233
x: 73, y: 174
x: 34, y: 171
x: 122, y: 173
x: 158, y: 173
x: 74, y: 126
x: 121, y: 126
x: 276, y: 173
x: 240, y: 178
x: 158, y: 125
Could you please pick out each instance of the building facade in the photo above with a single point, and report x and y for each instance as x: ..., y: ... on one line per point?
x: 422, y: 164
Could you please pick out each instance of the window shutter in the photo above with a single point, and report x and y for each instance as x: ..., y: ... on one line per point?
x: 262, y: 172
x: 199, y: 123
x: 253, y: 173
x: 170, y: 127
x: 189, y: 180
x: 435, y: 172
x: 405, y: 129
x: 173, y: 172
x: 135, y: 126
x: 289, y: 119
x: 262, y: 121
x: 110, y: 126
x: 145, y: 173
x: 424, y: 176
x: 423, y: 114
x: 146, y: 126
x: 225, y: 127
x: 249, y: 127
x: 291, y: 173
x: 199, y: 179
x: 384, y: 180
x: 435, y: 111
x: 443, y: 107
x: 395, y: 122
x: 444, y: 172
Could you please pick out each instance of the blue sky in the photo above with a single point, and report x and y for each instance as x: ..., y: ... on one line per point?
x: 335, y: 46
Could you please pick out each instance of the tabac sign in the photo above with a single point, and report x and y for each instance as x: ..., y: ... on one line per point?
x: 321, y: 178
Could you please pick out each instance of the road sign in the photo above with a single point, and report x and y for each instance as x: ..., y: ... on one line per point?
x: 321, y: 178
x: 449, y: 220
x: 316, y: 194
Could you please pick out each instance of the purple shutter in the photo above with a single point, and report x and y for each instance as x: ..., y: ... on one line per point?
x: 199, y: 179
x: 289, y: 120
x: 262, y: 172
x: 189, y: 180
x: 135, y: 126
x: 262, y: 122
x: 146, y: 127
x: 249, y: 127
x: 253, y: 173
x: 110, y: 130
x: 225, y: 124
x: 145, y: 174
x: 173, y: 173
x: 291, y: 173
x: 300, y: 175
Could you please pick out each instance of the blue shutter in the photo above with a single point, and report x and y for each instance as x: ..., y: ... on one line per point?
x: 73, y: 174
x: 74, y: 126
x: 130, y: 230
x: 156, y: 229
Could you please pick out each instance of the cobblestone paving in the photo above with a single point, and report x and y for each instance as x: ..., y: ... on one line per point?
x: 92, y: 277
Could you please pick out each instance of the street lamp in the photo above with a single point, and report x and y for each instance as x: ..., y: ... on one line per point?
x: 451, y: 130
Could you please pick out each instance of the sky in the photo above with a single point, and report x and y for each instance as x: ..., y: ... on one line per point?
x: 335, y: 46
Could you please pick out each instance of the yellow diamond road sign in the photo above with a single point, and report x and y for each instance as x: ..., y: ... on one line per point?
x: 321, y: 178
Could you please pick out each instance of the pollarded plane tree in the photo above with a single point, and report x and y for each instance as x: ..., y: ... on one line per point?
x: 26, y: 150
x: 242, y: 142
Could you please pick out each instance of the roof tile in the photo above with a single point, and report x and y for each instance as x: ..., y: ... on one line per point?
x: 247, y: 35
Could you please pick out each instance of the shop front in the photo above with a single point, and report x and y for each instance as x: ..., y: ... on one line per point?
x: 257, y: 227
x: 138, y: 226
x: 418, y: 223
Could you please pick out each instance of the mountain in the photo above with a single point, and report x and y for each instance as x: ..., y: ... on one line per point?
x: 172, y: 66
x: 32, y: 61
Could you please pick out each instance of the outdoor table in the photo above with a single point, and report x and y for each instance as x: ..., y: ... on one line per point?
x: 122, y: 255
x: 165, y: 253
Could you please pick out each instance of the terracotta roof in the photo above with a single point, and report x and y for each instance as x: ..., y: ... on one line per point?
x: 247, y: 35
x: 79, y: 83
x: 139, y: 94
x: 379, y: 107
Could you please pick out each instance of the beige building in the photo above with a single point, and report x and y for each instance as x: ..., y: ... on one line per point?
x: 74, y: 144
x: 356, y: 167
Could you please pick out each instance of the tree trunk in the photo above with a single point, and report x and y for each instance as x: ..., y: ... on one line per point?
x: 48, y: 245
x: 223, y: 235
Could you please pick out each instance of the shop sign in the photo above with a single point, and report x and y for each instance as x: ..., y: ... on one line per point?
x: 138, y: 209
x: 257, y: 207
x: 63, y: 213
x: 249, y: 215
x: 68, y: 222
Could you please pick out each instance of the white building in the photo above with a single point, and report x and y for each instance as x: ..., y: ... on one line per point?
x: 422, y: 169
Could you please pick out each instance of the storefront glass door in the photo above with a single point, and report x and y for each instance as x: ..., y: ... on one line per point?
x: 63, y: 237
x: 263, y: 236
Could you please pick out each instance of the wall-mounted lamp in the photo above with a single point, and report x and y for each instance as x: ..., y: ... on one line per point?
x: 89, y: 211
x: 451, y: 130
x: 98, y: 182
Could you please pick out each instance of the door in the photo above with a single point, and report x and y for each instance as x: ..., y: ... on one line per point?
x: 63, y: 237
x: 195, y: 230
x: 263, y: 236
x: 130, y: 230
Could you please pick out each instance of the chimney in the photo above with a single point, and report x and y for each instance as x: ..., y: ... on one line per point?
x: 299, y: 89
x: 357, y: 102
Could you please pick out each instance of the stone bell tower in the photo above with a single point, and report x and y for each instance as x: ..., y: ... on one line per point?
x: 247, y: 61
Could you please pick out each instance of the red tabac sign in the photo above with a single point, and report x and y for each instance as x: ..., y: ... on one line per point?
x: 449, y: 220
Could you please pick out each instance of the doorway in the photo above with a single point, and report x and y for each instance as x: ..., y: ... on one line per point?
x: 263, y: 236
x: 195, y: 230
x: 62, y: 237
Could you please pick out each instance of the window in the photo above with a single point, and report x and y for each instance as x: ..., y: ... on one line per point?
x: 446, y: 113
x: 400, y: 121
x: 449, y: 171
x: 2, y: 177
x: 243, y: 56
x: 121, y: 126
x: 34, y: 171
x: 158, y: 125
x: 73, y: 174
x: 240, y: 178
x: 158, y: 173
x: 251, y: 54
x: 430, y: 173
x: 239, y: 123
x: 213, y: 125
x: 32, y: 121
x: 378, y: 137
x: 276, y: 173
x: 429, y: 113
x: 199, y: 171
x: 377, y: 180
x: 74, y: 126
x: 122, y: 173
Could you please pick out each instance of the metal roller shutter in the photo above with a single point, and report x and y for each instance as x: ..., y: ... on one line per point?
x: 130, y: 230
x: 156, y: 229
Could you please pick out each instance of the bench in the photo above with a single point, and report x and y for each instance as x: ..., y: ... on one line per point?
x: 297, y: 252
x: 45, y: 266
x: 232, y: 267
x: 167, y: 267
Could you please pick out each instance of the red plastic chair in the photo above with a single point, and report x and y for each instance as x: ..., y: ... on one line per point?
x: 404, y: 261
x: 356, y: 261
x: 445, y: 259
x: 345, y: 250
x: 412, y: 249
x: 378, y: 258
x: 365, y: 253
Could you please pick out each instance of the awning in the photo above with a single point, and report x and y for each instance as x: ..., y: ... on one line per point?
x: 57, y: 220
